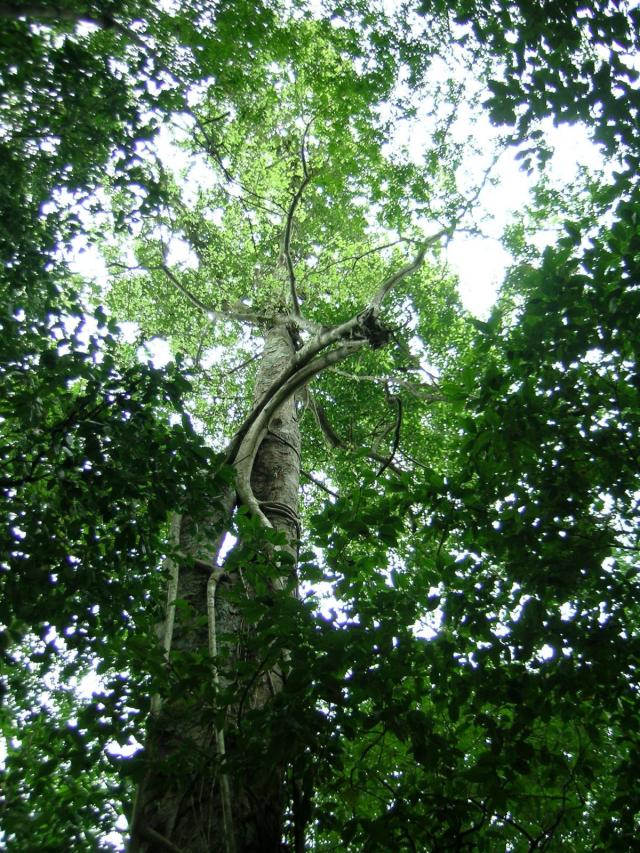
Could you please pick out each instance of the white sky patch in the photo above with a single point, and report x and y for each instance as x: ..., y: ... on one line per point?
x: 157, y: 351
x: 87, y: 261
x: 480, y: 264
x: 481, y: 261
x: 212, y: 356
x: 179, y: 254
x: 546, y: 652
x: 429, y: 624
x: 129, y: 331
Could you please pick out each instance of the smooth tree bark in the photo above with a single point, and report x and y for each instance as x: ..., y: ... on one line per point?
x: 187, y: 801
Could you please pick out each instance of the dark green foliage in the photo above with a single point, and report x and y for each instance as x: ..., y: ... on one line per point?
x: 570, y: 61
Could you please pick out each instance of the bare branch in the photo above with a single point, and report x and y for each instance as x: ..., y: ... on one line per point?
x: 318, y: 483
x: 321, y: 268
x: 389, y: 283
x: 150, y: 834
x: 334, y: 440
x: 212, y: 313
x: 242, y: 364
x: 396, y: 438
x: 303, y: 143
x: 286, y: 242
x: 286, y: 239
x: 219, y: 313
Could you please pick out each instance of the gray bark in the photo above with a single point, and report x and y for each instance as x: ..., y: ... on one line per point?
x: 180, y: 801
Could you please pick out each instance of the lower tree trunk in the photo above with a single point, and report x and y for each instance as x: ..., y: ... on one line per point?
x: 188, y: 782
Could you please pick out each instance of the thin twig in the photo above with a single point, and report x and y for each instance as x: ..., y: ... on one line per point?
x: 322, y: 268
x: 242, y: 365
x: 319, y: 484
x: 389, y: 283
x: 286, y: 244
x: 396, y: 438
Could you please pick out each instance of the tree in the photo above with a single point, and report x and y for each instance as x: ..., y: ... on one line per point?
x: 469, y: 488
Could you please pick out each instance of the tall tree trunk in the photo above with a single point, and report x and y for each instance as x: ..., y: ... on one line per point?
x: 181, y: 802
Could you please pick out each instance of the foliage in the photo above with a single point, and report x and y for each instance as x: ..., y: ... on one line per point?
x: 473, y: 685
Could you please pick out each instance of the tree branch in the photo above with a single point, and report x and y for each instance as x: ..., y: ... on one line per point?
x: 417, y: 389
x: 150, y: 834
x: 212, y: 313
x: 389, y: 283
x: 319, y: 484
x: 243, y: 458
x: 322, y: 340
x: 321, y: 268
x: 286, y: 243
x: 286, y: 240
x: 334, y: 440
x: 396, y: 438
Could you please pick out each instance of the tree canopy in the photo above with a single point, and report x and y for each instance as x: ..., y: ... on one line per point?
x: 459, y: 667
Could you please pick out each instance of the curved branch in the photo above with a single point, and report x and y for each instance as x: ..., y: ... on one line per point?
x: 286, y: 242
x: 354, y: 331
x: 254, y: 435
x: 396, y: 438
x: 334, y: 440
x: 389, y: 283
x: 331, y: 436
x: 304, y: 357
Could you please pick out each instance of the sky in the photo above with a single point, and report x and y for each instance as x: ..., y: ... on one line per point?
x: 481, y: 262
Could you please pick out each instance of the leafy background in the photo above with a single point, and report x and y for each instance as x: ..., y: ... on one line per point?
x: 475, y: 686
